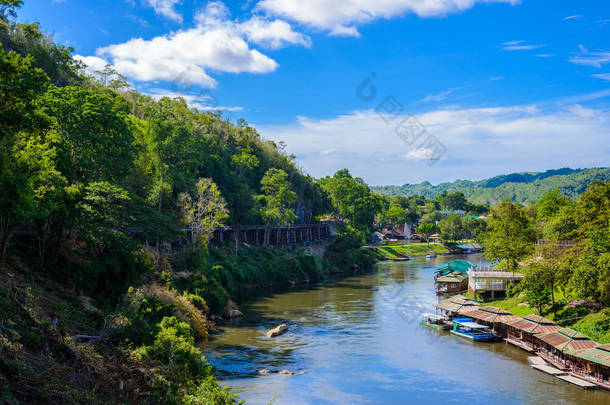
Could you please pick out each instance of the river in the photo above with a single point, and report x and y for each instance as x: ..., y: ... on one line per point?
x: 359, y: 341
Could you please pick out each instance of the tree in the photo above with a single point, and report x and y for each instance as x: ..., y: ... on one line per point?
x: 21, y: 86
x: 7, y: 8
x: 204, y: 212
x: 277, y: 196
x: 353, y: 200
x: 396, y: 214
x: 95, y: 140
x: 427, y: 229
x: 536, y: 287
x: 451, y: 227
x: 509, y: 236
x: 550, y: 203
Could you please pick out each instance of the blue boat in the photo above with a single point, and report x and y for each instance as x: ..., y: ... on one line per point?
x: 467, y: 328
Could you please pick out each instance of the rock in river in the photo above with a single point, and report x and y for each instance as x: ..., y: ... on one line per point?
x: 234, y: 313
x: 280, y: 329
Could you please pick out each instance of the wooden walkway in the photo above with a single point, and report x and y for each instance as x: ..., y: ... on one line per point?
x: 535, y: 360
x: 549, y: 370
x: 585, y: 385
x: 520, y: 345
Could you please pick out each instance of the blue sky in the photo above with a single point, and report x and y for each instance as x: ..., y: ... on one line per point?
x: 488, y: 87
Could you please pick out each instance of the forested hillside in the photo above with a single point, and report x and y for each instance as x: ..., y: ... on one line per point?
x: 525, y: 188
x: 97, y: 183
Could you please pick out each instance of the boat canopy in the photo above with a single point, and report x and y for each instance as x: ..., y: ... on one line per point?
x: 432, y: 316
x: 472, y: 325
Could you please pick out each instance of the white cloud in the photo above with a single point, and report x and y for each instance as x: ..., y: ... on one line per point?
x: 272, y: 34
x: 419, y: 154
x: 572, y: 17
x: 216, y: 43
x: 203, y: 101
x: 603, y: 76
x: 518, y: 46
x: 341, y: 17
x: 443, y: 95
x: 583, y: 112
x: 93, y: 63
x: 595, y: 59
x: 545, y: 55
x: 166, y: 8
x: 480, y: 142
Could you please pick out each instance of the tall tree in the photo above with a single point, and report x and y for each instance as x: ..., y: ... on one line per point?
x: 204, y: 211
x: 277, y: 197
x: 509, y: 236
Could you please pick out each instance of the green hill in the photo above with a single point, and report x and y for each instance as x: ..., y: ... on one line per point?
x: 525, y: 187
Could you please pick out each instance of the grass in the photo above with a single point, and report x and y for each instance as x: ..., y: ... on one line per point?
x: 415, y: 249
x: 514, y: 305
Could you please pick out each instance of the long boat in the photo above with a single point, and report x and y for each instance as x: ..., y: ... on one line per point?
x: 466, y: 327
x: 435, y: 321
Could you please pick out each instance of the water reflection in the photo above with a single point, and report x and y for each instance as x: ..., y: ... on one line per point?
x: 358, y: 341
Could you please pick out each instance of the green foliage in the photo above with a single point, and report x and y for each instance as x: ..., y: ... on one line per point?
x: 525, y: 188
x: 396, y: 214
x: 353, y: 200
x: 277, y: 196
x: 206, y: 211
x: 509, y: 235
x: 427, y: 229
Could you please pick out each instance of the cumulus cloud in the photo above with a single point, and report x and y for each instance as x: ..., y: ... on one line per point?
x: 480, y: 142
x: 216, y: 43
x: 166, y: 8
x: 341, y: 17
x: 93, y: 64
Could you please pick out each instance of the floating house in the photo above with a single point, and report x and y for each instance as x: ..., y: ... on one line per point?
x: 553, y: 346
x: 521, y: 331
x: 457, y: 306
x: 451, y: 283
x: 592, y: 364
x: 491, y: 283
x: 494, y: 317
x: 460, y: 266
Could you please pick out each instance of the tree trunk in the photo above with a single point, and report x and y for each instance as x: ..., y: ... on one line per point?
x: 5, y: 234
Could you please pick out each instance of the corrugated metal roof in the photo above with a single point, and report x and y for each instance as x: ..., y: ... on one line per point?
x: 461, y: 266
x: 458, y: 303
x: 530, y: 324
x: 453, y: 277
x: 567, y: 340
x: 537, y: 319
x: 599, y: 355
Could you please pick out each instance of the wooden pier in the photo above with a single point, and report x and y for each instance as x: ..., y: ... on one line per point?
x: 585, y: 385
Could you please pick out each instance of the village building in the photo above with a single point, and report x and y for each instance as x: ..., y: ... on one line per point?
x: 496, y: 318
x: 554, y: 346
x: 490, y: 283
x: 452, y: 283
x: 592, y: 364
x: 456, y: 306
x: 521, y: 331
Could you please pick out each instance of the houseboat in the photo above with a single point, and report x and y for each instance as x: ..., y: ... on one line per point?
x: 436, y: 321
x: 466, y: 327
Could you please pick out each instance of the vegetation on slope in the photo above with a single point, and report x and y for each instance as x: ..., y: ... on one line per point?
x: 525, y: 188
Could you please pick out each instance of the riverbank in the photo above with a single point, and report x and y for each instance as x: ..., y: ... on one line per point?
x: 405, y: 250
x: 145, y: 347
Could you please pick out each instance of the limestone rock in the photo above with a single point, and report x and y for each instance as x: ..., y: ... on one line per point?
x: 280, y: 329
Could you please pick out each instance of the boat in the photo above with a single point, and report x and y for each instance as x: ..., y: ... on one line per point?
x: 435, y: 321
x: 466, y: 327
x: 430, y: 256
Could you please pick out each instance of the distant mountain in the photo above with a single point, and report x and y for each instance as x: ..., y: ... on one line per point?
x: 526, y: 187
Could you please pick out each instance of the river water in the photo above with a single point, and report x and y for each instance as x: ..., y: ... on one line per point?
x: 359, y: 341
